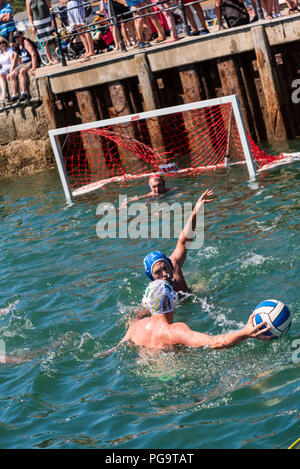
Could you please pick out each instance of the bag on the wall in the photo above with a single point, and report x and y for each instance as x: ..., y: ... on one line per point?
x: 235, y: 13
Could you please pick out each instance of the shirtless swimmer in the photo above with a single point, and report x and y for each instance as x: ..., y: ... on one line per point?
x: 160, y: 332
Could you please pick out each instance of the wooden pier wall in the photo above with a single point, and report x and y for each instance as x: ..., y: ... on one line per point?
x: 258, y: 62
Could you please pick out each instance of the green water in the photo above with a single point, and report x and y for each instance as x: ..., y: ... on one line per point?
x: 66, y: 296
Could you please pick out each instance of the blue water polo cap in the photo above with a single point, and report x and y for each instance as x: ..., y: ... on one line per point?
x: 151, y: 259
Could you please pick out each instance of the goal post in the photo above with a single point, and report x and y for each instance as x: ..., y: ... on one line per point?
x: 191, y: 138
x: 61, y: 167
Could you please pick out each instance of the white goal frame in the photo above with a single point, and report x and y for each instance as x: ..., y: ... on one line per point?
x: 236, y: 111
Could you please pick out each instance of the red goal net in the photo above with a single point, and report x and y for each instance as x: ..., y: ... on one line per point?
x: 183, y: 142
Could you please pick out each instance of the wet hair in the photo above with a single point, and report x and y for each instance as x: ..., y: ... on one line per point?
x: 157, y: 176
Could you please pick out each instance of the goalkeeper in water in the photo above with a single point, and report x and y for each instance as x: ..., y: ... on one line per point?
x: 157, y: 187
x: 160, y: 267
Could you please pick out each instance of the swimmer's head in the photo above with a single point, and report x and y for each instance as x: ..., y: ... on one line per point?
x: 159, y: 297
x: 156, y: 184
x: 158, y: 266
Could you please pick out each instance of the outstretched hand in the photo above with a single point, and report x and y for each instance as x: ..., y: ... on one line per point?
x: 206, y: 197
x: 255, y: 332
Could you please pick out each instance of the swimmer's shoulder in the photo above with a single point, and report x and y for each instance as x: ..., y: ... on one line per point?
x: 141, y: 314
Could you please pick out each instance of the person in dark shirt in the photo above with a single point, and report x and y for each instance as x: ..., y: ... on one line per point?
x: 26, y: 59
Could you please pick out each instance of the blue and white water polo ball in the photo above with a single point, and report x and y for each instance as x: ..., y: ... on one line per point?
x: 275, y: 314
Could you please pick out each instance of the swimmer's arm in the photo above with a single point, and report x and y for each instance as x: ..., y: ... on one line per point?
x: 179, y: 254
x: 7, y: 359
x: 183, y: 335
x: 111, y: 350
x: 126, y: 338
x: 132, y: 199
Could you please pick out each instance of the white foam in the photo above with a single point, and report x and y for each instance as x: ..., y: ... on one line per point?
x: 9, y: 308
x: 254, y: 259
x: 210, y: 251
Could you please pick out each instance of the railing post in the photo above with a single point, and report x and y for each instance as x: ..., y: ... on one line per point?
x: 115, y: 23
x: 260, y: 13
x: 57, y: 39
x: 185, y: 23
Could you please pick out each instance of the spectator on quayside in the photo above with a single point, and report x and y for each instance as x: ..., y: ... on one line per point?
x: 139, y: 22
x: 7, y: 24
x: 168, y: 14
x: 191, y: 19
x: 219, y: 14
x: 123, y: 12
x: 77, y: 21
x: 39, y: 17
x: 293, y: 6
x: 25, y: 59
x: 268, y: 7
x: 6, y: 56
x: 272, y: 8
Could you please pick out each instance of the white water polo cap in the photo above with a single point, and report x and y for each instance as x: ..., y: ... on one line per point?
x: 159, y: 297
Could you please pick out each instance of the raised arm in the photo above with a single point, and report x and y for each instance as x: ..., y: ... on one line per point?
x: 179, y: 254
x: 182, y: 334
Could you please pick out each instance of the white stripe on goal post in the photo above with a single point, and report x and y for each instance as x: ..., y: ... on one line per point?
x: 61, y: 168
x: 233, y: 99
x: 243, y: 136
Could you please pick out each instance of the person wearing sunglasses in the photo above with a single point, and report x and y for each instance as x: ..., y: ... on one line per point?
x: 6, y: 55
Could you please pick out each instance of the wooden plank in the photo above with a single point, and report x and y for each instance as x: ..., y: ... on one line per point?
x: 91, y: 142
x: 121, y: 106
x: 191, y: 93
x: 45, y: 93
x: 150, y: 101
x: 232, y: 83
x: 270, y: 86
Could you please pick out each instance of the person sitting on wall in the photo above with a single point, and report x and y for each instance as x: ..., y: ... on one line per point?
x: 6, y: 56
x: 25, y: 59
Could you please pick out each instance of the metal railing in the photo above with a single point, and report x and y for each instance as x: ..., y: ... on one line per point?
x: 116, y: 20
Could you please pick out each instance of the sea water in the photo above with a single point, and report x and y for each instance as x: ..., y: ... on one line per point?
x: 66, y: 297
